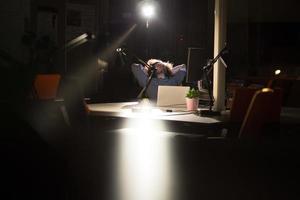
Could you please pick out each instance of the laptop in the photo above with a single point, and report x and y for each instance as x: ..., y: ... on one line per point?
x: 172, y: 97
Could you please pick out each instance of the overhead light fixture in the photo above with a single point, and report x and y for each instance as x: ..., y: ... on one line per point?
x: 148, y: 10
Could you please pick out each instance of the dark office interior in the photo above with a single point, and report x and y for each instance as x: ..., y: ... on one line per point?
x: 60, y: 62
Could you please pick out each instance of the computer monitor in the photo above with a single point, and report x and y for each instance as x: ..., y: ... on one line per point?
x: 196, y: 59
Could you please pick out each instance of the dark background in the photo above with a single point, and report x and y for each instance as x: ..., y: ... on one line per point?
x: 261, y: 36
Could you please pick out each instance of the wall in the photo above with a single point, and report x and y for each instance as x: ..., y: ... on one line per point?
x: 263, y: 34
x: 14, y: 20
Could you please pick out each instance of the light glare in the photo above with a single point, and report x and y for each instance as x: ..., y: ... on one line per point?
x: 148, y: 11
x: 144, y: 170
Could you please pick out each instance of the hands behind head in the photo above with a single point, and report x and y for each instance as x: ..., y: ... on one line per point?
x: 152, y: 61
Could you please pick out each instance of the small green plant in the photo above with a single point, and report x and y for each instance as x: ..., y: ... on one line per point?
x: 193, y: 93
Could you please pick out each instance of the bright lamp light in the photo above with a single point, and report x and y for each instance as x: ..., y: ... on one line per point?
x: 148, y: 11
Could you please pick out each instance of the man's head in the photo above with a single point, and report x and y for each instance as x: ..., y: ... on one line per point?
x: 162, y: 68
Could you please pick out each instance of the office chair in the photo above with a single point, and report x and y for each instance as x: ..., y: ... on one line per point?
x: 265, y: 108
x: 46, y: 86
x: 241, y: 99
x: 240, y: 103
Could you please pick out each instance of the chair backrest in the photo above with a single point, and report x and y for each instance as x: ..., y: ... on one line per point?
x: 240, y: 103
x: 46, y: 86
x: 265, y: 107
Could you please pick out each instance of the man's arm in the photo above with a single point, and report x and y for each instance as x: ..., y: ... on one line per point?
x: 140, y: 74
x: 179, y: 73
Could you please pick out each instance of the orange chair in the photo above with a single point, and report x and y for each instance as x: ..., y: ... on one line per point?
x: 265, y: 107
x: 240, y: 103
x: 46, y: 86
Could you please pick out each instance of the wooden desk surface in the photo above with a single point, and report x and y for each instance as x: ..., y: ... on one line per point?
x: 128, y: 110
x: 185, y: 122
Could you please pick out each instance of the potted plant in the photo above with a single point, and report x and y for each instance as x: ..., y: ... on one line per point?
x: 192, y: 99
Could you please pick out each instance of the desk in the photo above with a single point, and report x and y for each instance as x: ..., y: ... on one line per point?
x: 127, y: 164
x: 184, y: 121
x: 124, y: 110
x: 139, y: 164
x: 189, y: 122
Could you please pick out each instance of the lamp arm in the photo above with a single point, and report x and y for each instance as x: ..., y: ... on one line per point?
x: 149, y: 66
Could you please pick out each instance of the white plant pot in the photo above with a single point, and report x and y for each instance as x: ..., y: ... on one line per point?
x: 192, y: 104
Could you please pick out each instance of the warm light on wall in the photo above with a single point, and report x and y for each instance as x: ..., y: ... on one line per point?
x: 277, y: 72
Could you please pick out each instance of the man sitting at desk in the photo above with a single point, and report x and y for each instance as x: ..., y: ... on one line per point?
x: 164, y: 74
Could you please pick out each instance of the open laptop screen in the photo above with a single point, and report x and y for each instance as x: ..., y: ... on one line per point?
x: 172, y: 96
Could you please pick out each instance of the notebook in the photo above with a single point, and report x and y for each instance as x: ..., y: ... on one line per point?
x: 172, y: 96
